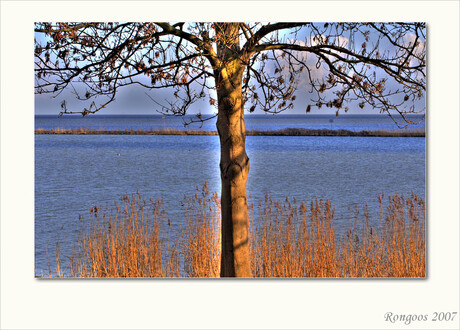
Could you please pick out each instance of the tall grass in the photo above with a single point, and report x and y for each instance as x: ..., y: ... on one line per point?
x: 303, y: 240
x: 123, y: 243
x: 287, y: 239
x: 200, y: 239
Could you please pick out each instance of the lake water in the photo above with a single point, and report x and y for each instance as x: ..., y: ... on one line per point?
x: 253, y: 122
x: 73, y: 173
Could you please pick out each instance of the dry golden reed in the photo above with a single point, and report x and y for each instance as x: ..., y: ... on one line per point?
x: 302, y: 241
x: 287, y: 239
x: 123, y: 244
x: 200, y: 239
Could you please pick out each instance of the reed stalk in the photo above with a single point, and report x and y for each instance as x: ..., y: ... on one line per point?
x: 287, y: 239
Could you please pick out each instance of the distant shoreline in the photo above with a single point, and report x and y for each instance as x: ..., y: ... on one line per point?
x: 280, y: 132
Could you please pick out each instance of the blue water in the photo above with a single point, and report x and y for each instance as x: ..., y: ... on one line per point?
x: 252, y: 122
x: 73, y: 173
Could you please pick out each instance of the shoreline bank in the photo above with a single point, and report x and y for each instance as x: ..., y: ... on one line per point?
x: 281, y: 132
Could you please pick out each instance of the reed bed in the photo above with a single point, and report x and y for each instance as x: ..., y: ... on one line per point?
x: 338, y: 132
x: 200, y: 240
x: 303, y: 241
x: 123, y: 243
x: 93, y: 131
x: 287, y: 239
x: 280, y: 132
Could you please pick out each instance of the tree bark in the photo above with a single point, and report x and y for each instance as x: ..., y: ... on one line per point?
x: 234, y: 162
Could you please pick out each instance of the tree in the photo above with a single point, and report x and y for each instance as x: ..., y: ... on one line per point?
x: 236, y: 66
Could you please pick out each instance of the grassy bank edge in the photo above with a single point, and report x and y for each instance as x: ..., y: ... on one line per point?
x: 281, y: 132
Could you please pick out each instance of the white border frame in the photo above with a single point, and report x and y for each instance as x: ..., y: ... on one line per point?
x: 29, y: 303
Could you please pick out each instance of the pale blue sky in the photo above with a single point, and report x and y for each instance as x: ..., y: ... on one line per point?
x: 134, y: 100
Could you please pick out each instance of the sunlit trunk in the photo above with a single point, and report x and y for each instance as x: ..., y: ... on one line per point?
x: 234, y: 163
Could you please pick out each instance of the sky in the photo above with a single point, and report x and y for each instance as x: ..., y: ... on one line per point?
x: 134, y: 99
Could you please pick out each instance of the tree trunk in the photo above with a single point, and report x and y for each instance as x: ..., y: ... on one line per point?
x: 234, y: 163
